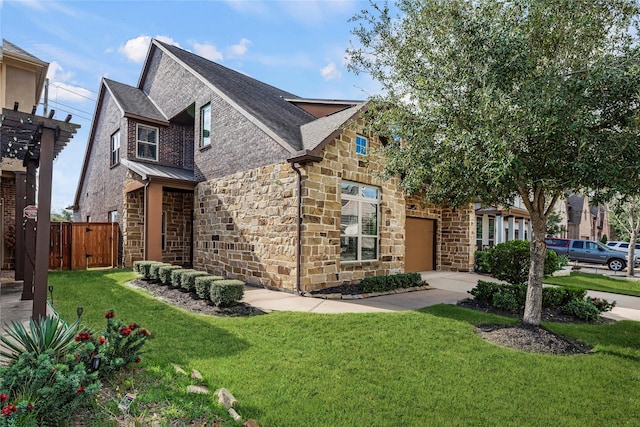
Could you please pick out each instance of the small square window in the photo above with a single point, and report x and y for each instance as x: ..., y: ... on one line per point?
x: 361, y: 144
x: 113, y: 216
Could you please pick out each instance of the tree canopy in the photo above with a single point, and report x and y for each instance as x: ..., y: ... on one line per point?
x: 496, y: 99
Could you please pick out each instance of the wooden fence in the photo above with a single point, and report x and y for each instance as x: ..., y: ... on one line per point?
x: 82, y: 245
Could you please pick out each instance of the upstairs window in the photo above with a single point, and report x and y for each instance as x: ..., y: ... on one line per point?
x: 115, y: 148
x: 362, y: 145
x: 205, y: 125
x: 147, y: 141
x: 359, y: 222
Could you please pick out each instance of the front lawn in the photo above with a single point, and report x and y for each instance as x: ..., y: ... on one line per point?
x: 597, y: 282
x: 411, y: 368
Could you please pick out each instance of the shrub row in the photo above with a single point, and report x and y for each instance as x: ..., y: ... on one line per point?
x: 511, y: 297
x: 390, y: 282
x: 510, y: 261
x: 222, y: 293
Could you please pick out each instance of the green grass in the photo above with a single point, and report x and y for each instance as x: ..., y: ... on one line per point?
x: 597, y: 282
x: 411, y: 368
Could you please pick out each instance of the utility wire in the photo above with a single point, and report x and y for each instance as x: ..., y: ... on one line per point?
x: 75, y: 93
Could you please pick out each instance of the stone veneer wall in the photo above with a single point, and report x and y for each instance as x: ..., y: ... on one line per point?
x: 322, y: 210
x: 8, y: 191
x: 458, y: 238
x: 132, y: 224
x: 245, y: 226
x: 177, y: 206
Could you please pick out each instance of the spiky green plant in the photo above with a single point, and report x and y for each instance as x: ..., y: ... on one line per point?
x: 47, y: 333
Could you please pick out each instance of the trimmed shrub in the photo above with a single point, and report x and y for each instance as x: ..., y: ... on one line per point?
x: 144, y: 268
x: 553, y: 297
x: 505, y: 301
x: 188, y: 280
x: 573, y: 294
x: 176, y: 276
x: 164, y: 273
x: 136, y: 266
x: 154, y: 271
x: 484, y: 291
x: 482, y: 261
x: 225, y: 293
x: 601, y: 304
x: 510, y: 261
x: 203, y: 285
x: 582, y: 310
x: 390, y: 282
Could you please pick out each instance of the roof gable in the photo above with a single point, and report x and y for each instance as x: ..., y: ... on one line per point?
x: 134, y: 103
x: 266, y: 104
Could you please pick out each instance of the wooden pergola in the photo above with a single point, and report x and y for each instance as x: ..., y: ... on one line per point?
x: 36, y: 141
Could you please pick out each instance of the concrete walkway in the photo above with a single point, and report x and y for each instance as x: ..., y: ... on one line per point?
x: 449, y: 288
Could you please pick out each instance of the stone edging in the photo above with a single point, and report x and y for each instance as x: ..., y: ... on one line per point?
x: 369, y: 295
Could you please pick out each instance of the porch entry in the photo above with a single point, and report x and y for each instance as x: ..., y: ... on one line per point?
x: 419, y: 244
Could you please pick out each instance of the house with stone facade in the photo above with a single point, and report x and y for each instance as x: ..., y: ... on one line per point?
x: 204, y: 166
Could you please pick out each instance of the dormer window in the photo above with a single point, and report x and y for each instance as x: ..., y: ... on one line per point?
x: 361, y: 145
x: 147, y: 140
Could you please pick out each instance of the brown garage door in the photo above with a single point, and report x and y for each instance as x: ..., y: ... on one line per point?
x: 419, y: 245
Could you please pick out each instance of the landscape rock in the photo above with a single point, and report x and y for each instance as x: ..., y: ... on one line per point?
x: 226, y: 399
x: 235, y: 415
x: 196, y: 375
x: 197, y: 389
x: 178, y: 369
x: 251, y: 423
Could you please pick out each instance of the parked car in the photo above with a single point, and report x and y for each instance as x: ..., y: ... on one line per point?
x: 589, y: 251
x: 621, y: 246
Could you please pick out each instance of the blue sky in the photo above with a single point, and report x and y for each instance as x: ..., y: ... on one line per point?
x: 298, y: 46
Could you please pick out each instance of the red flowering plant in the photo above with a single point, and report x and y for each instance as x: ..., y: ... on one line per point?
x: 119, y: 345
x: 601, y: 304
x: 42, y: 389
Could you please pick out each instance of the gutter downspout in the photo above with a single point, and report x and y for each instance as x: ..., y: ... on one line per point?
x: 298, y: 230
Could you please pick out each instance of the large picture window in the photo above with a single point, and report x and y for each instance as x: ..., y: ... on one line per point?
x: 147, y: 139
x: 205, y: 125
x: 115, y: 148
x: 359, y: 222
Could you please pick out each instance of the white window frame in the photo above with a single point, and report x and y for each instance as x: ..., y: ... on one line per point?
x: 138, y: 141
x: 365, y: 150
x: 112, y: 216
x: 360, y: 199
x: 205, y: 125
x: 115, y: 148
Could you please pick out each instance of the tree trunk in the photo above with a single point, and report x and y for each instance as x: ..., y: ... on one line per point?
x: 631, y: 252
x: 538, y: 251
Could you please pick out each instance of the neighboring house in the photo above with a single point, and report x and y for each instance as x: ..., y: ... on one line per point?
x: 205, y: 166
x: 585, y: 221
x: 500, y: 224
x: 22, y: 78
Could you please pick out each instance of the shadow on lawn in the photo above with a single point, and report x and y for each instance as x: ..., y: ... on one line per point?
x: 178, y: 336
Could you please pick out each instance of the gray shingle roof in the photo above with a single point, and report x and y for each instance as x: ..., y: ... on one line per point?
x: 134, y: 101
x: 146, y: 170
x: 7, y: 46
x: 315, y: 132
x: 576, y: 204
x: 264, y: 102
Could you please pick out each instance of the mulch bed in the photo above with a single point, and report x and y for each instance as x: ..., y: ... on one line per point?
x: 189, y: 301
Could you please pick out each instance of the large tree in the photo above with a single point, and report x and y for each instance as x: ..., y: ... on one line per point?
x: 497, y: 99
x: 625, y: 216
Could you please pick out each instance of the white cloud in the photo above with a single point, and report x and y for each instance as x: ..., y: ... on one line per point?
x: 62, y: 88
x: 207, y: 50
x: 330, y: 72
x: 239, y: 49
x: 136, y: 49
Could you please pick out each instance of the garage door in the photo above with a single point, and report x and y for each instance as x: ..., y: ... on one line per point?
x: 419, y: 245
